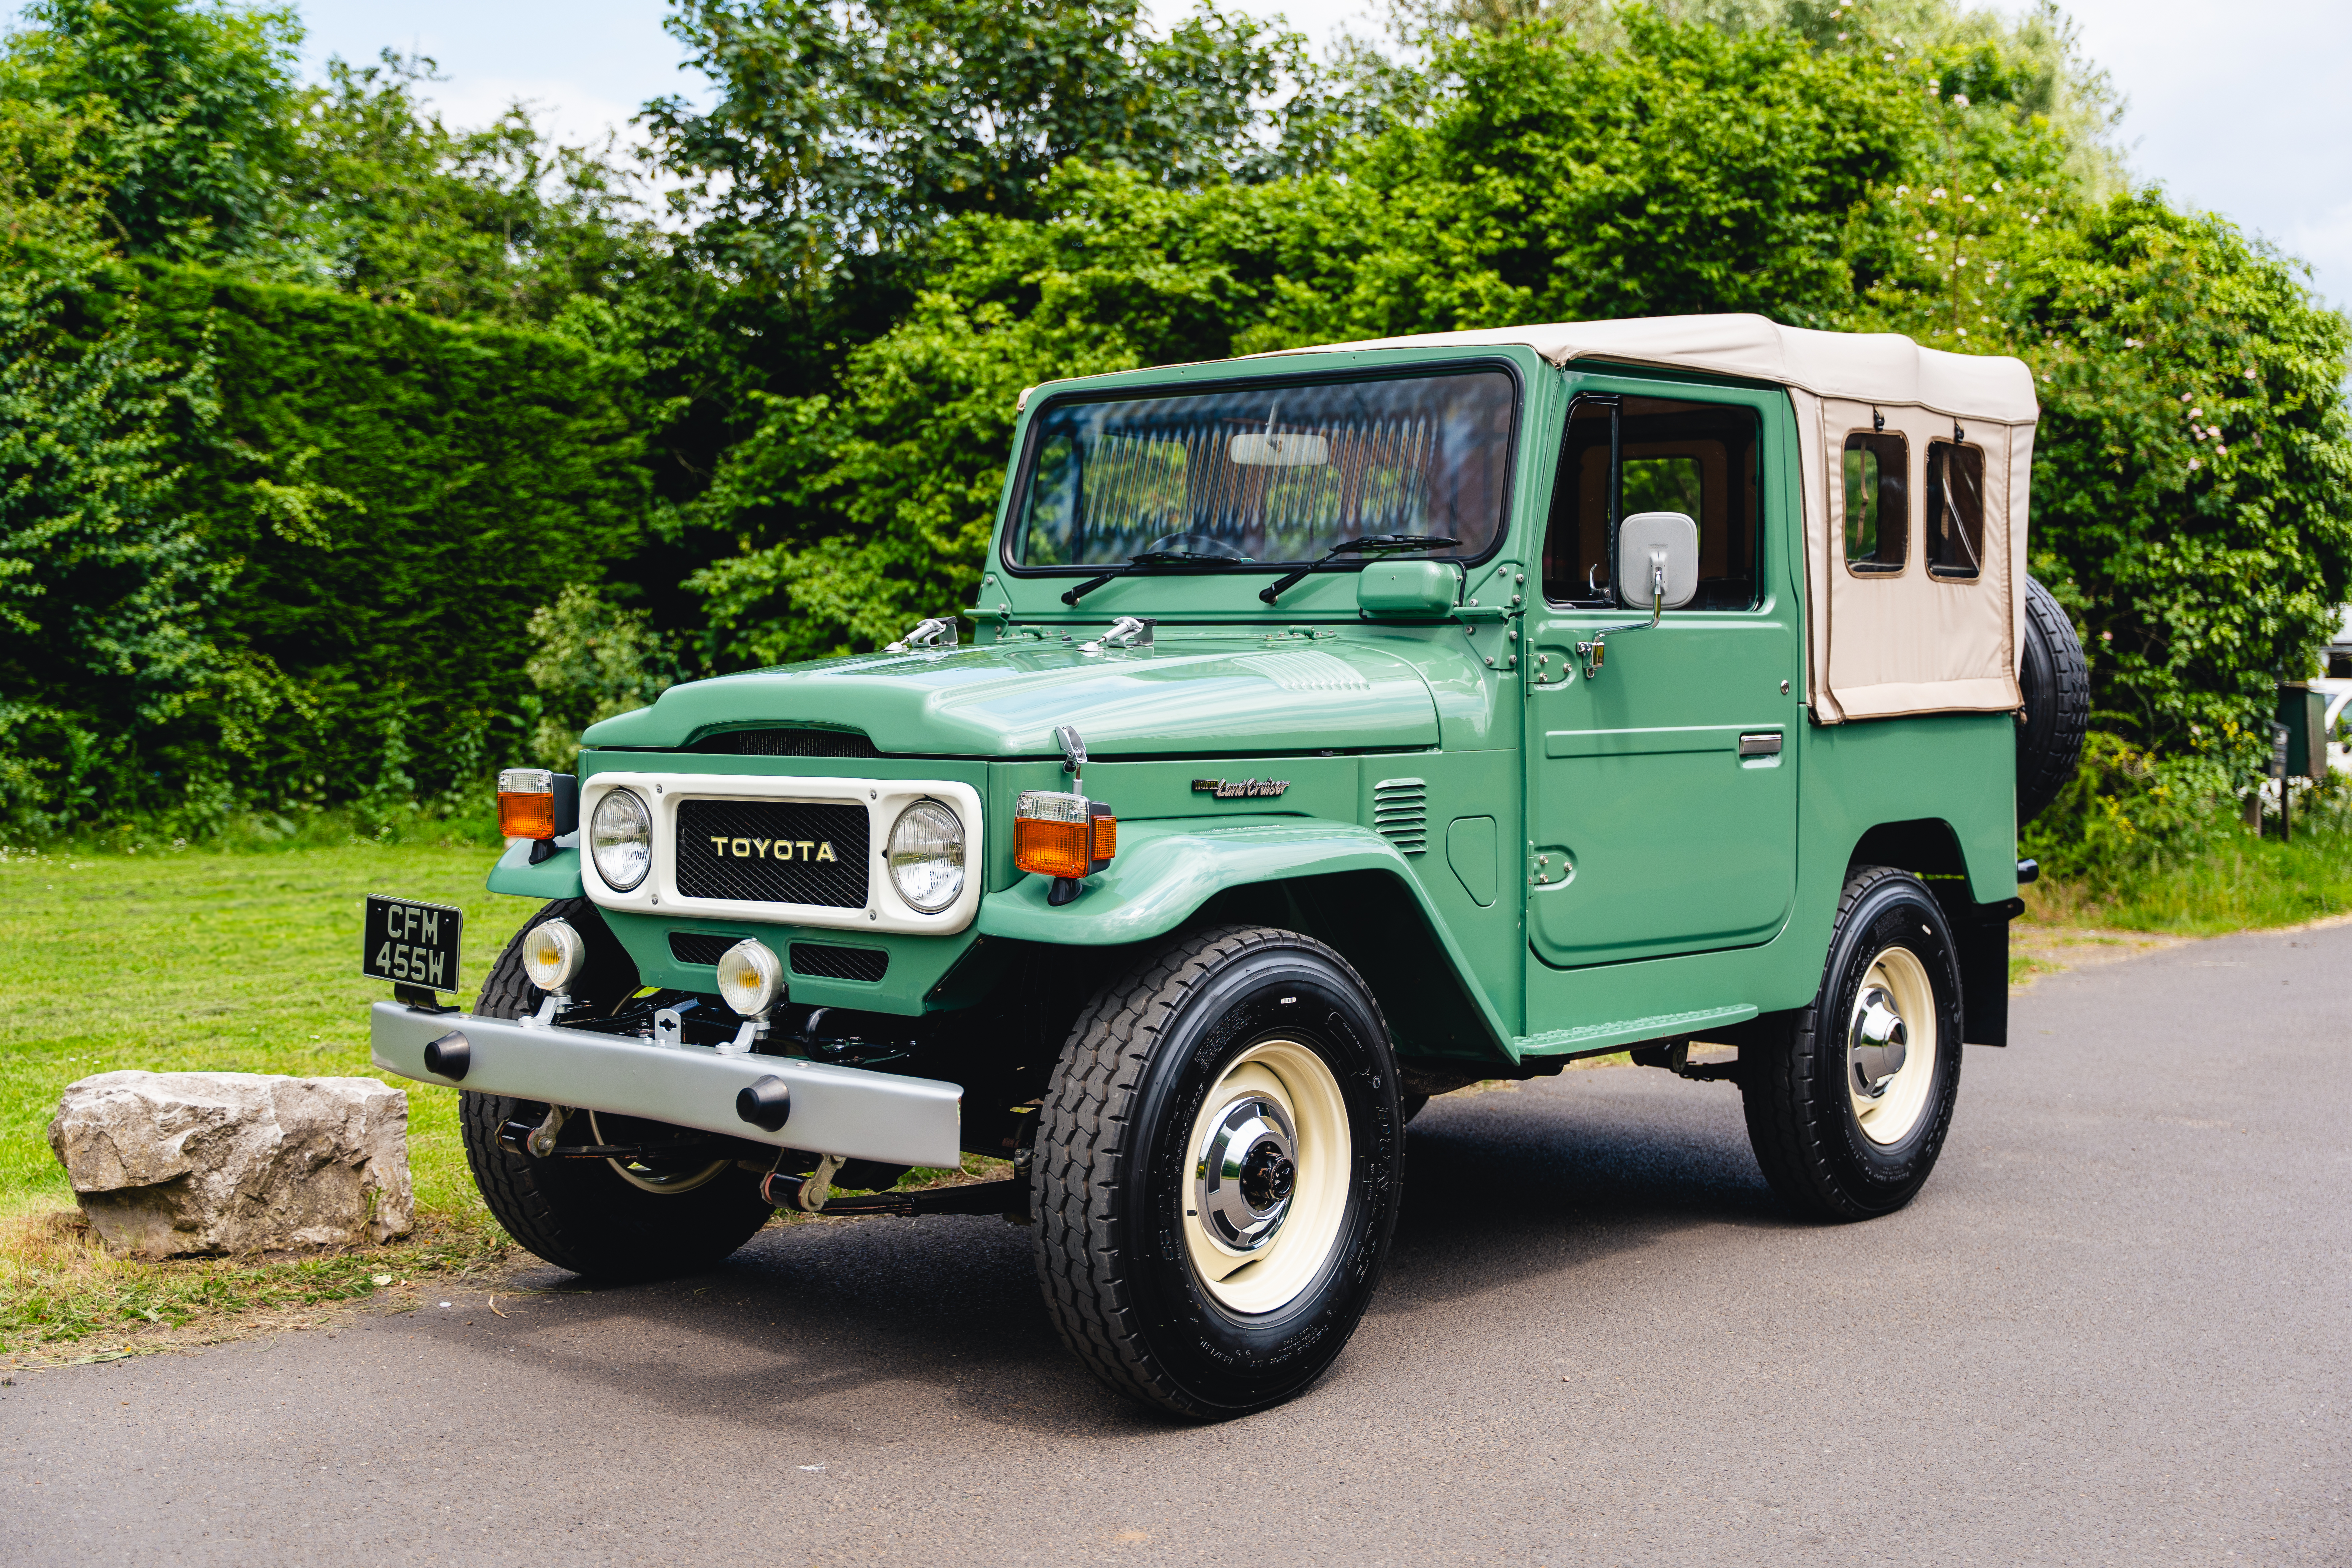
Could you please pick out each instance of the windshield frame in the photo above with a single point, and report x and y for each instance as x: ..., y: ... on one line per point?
x: 1012, y: 517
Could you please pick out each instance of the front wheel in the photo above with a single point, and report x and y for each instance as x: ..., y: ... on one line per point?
x: 1217, y: 1171
x: 608, y: 1219
x: 1848, y: 1100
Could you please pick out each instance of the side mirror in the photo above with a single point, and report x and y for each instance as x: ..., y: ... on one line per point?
x: 1657, y: 562
x: 1407, y: 590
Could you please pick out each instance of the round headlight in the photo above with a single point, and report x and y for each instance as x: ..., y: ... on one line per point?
x: 552, y: 953
x: 750, y: 977
x: 927, y: 856
x: 621, y: 840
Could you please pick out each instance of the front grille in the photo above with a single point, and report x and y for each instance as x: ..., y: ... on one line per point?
x: 1400, y: 813
x: 792, y: 741
x: 699, y: 947
x: 833, y: 962
x: 729, y: 848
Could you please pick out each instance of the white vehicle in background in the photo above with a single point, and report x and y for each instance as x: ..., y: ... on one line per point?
x: 2335, y: 659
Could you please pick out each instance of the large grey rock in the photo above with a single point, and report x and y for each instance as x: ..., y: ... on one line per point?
x: 173, y: 1162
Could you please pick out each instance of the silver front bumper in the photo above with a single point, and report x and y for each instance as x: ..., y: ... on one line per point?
x: 848, y: 1112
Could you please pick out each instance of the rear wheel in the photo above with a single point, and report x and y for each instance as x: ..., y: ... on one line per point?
x: 1848, y: 1100
x: 608, y: 1219
x: 1216, y: 1172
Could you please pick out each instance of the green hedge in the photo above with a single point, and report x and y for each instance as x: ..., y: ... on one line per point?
x: 398, y: 493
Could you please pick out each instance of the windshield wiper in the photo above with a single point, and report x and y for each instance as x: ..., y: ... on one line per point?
x: 1153, y: 558
x: 1370, y: 545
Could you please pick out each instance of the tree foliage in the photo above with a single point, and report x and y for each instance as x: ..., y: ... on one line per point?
x: 848, y: 127
x: 340, y: 449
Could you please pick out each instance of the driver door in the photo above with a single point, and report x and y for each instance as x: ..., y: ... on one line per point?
x: 1662, y: 789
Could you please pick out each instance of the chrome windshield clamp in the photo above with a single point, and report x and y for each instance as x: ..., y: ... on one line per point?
x: 932, y: 631
x: 1127, y: 631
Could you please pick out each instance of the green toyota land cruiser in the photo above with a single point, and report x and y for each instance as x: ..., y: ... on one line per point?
x: 1339, y: 727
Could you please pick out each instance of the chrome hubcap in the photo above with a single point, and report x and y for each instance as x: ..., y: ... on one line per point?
x: 1879, y: 1042
x: 1243, y: 1173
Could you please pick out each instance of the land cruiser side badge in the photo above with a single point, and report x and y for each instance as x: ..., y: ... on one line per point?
x: 1239, y: 789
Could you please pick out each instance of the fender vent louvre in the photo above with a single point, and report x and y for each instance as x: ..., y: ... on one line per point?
x: 1400, y: 813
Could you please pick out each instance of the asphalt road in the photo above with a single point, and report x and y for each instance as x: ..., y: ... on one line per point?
x: 2116, y: 1328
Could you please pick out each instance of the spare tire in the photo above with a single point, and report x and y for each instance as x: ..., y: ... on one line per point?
x: 2056, y: 685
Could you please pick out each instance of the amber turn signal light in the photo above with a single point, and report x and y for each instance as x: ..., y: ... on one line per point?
x: 1060, y: 834
x: 527, y: 803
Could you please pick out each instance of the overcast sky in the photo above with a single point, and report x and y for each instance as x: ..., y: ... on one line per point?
x: 2244, y: 111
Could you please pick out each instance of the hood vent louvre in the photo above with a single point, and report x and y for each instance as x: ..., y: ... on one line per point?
x: 1400, y: 813
x: 791, y: 741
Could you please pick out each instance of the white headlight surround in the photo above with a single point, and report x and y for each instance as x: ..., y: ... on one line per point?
x: 552, y: 956
x: 750, y: 977
x: 925, y: 856
x: 621, y: 839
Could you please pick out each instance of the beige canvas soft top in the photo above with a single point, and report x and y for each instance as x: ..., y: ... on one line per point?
x: 1883, y: 644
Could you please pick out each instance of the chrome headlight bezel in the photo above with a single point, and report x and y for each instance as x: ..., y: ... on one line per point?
x: 618, y: 836
x: 947, y: 851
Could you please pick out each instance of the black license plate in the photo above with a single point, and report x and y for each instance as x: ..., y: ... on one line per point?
x: 411, y: 943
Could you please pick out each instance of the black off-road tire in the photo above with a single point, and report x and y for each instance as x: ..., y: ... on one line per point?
x: 582, y: 1215
x: 2057, y: 685
x: 1113, y: 1168
x: 1801, y: 1114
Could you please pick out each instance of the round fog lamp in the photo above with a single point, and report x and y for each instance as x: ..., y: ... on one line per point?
x: 927, y: 856
x: 751, y: 978
x: 552, y: 953
x: 621, y: 840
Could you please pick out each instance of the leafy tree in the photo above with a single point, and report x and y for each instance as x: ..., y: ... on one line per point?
x: 108, y: 676
x: 590, y: 659
x: 385, y: 201
x: 847, y: 127
x: 186, y: 112
x: 2193, y: 478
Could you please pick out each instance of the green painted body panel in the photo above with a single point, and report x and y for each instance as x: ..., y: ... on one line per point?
x: 1704, y: 884
x: 923, y: 973
x: 557, y: 876
x: 1167, y: 869
x: 1204, y: 691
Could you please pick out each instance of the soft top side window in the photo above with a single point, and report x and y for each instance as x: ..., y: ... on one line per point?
x: 1955, y: 510
x: 1623, y: 455
x: 1877, y: 503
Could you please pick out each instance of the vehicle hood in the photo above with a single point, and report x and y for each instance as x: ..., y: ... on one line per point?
x: 1195, y: 697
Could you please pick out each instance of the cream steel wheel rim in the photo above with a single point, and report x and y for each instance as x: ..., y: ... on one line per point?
x: 1257, y: 1235
x: 667, y: 1183
x: 1891, y: 1045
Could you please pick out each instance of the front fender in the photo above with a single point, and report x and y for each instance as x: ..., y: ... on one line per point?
x: 557, y: 876
x: 1166, y: 871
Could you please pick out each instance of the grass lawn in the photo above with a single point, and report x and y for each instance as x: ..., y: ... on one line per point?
x: 184, y: 961
x: 195, y: 961
x: 2241, y: 883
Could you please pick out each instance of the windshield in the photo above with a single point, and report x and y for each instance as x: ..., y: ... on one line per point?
x: 1270, y: 475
